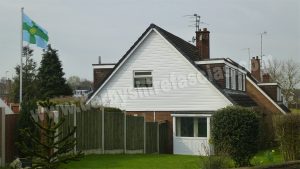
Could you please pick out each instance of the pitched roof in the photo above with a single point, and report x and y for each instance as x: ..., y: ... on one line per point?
x: 241, y: 98
x: 185, y: 48
x: 190, y: 52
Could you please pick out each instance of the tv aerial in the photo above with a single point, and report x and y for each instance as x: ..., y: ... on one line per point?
x: 196, y: 23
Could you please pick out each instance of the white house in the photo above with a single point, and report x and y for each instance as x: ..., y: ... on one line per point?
x: 166, y: 78
x: 6, y: 107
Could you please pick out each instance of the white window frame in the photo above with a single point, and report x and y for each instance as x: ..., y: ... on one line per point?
x: 227, y: 76
x: 142, y: 76
x: 244, y: 82
x: 233, y: 79
x: 240, y: 81
x: 177, y: 130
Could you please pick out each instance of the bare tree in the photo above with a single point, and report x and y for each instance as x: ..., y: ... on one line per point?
x: 287, y: 74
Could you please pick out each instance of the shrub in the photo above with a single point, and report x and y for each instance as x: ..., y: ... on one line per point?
x: 288, y: 134
x: 266, y: 139
x: 235, y: 132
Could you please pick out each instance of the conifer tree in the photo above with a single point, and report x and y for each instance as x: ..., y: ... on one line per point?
x: 51, y: 81
x: 29, y: 78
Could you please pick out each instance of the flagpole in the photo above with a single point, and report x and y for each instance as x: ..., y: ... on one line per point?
x: 21, y: 65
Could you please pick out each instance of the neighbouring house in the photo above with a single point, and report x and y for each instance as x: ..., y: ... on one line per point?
x: 8, y: 110
x: 81, y: 93
x: 167, y: 79
x: 5, y: 88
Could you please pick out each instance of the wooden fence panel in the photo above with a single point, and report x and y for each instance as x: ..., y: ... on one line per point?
x: 163, y: 138
x: 10, y: 129
x: 134, y: 133
x: 114, y: 131
x: 151, y: 137
x: 89, y: 130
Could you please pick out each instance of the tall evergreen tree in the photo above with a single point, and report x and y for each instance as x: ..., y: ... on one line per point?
x: 29, y: 78
x: 51, y: 81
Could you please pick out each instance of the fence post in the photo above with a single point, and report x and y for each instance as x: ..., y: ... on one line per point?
x: 125, y: 134
x: 157, y: 137
x: 102, y: 108
x: 144, y: 133
x: 2, y: 111
x: 75, y: 125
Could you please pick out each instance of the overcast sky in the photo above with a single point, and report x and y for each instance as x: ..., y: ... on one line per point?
x: 82, y: 30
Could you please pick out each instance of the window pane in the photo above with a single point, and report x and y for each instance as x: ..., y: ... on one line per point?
x: 227, y: 75
x: 142, y: 82
x: 185, y: 126
x: 142, y: 73
x: 202, y: 127
x: 233, y: 79
x: 240, y: 81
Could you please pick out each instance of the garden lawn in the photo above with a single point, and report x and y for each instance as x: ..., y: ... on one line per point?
x: 296, y: 111
x: 164, y: 161
x: 267, y: 158
x: 135, y: 162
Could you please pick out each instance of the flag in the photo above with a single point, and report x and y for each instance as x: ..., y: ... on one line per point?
x: 33, y: 33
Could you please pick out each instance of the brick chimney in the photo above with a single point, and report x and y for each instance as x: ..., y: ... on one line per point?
x: 202, y: 43
x: 266, y: 78
x: 255, y: 68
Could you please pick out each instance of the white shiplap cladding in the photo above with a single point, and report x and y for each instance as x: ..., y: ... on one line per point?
x: 177, y: 84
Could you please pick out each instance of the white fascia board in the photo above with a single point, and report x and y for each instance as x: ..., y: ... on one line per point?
x: 191, y: 115
x: 103, y: 66
x: 270, y: 84
x: 267, y: 84
x: 220, y: 93
x: 261, y: 91
x: 219, y: 61
x: 120, y: 65
x: 209, y: 62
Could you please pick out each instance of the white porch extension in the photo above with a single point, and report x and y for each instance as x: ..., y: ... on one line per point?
x: 191, y: 134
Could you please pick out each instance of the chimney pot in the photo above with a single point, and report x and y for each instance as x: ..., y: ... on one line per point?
x: 99, y: 61
x: 204, y: 29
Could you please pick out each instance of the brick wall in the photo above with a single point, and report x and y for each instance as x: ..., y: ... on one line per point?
x: 216, y: 72
x: 271, y: 90
x: 159, y: 117
x: 100, y: 75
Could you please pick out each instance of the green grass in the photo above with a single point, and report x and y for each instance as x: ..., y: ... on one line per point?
x: 295, y: 111
x: 158, y: 161
x: 267, y: 158
x: 135, y: 162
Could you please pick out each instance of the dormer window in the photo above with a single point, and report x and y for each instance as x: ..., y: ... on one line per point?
x: 142, y: 79
x: 234, y: 79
